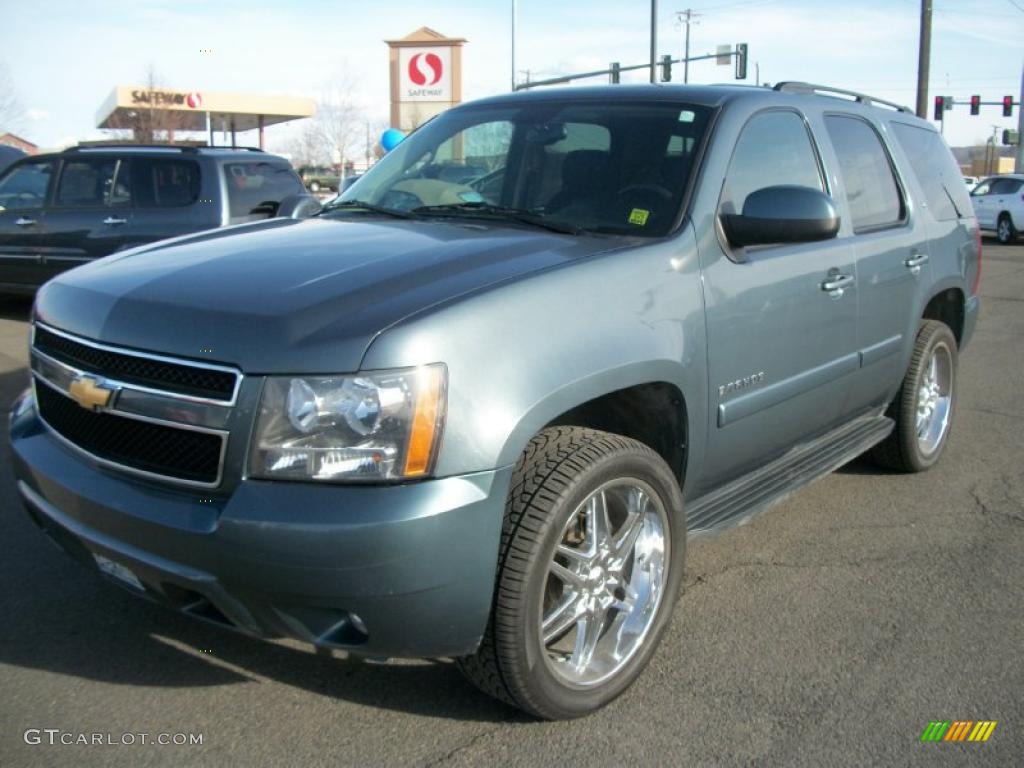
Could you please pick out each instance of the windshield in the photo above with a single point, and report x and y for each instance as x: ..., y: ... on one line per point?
x: 618, y: 168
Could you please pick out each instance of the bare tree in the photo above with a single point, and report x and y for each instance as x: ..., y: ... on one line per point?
x: 149, y: 123
x: 340, y: 120
x: 309, y: 147
x: 11, y: 111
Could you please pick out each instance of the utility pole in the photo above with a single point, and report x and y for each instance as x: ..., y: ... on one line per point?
x: 513, y: 45
x: 924, y: 54
x: 1018, y: 166
x: 654, y: 41
x: 687, y: 17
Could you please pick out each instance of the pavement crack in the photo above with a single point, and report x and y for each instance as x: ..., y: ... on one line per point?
x: 703, y: 577
x: 472, y: 742
x: 989, y: 510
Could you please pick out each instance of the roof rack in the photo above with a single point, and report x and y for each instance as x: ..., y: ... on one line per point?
x: 123, y: 146
x: 860, y: 98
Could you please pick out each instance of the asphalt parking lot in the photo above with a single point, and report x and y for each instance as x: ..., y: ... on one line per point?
x: 827, y: 632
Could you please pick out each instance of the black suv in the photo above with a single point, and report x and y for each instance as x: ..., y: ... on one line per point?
x: 61, y: 210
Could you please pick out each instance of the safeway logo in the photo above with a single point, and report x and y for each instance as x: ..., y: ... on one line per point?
x: 194, y: 100
x: 425, y: 69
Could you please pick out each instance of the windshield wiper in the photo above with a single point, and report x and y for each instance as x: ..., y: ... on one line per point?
x: 365, y: 206
x: 521, y: 215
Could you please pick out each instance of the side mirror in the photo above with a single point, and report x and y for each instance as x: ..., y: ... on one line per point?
x: 784, y: 214
x: 298, y: 206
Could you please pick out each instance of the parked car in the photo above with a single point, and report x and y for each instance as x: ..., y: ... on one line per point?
x: 971, y: 182
x: 999, y: 205
x: 61, y: 210
x: 440, y: 419
x: 349, y: 180
x: 8, y: 155
x: 317, y: 179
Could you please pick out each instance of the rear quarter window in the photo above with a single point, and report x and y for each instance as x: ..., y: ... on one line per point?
x: 936, y: 171
x: 255, y: 189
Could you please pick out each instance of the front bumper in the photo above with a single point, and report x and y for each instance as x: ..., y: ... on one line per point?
x: 390, y: 570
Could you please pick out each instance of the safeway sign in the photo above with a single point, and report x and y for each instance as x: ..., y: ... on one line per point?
x: 425, y: 74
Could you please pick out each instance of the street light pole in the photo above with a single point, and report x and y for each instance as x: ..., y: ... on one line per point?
x: 924, y: 53
x: 654, y: 40
x: 513, y: 45
x: 1018, y: 166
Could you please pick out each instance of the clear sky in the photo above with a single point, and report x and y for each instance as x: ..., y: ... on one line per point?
x: 65, y: 56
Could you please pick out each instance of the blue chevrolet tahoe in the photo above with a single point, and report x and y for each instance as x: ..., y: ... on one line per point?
x: 478, y: 404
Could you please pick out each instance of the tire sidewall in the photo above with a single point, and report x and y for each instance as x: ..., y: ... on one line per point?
x: 556, y: 699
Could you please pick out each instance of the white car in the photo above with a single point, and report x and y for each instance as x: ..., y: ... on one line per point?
x: 971, y: 182
x: 999, y: 205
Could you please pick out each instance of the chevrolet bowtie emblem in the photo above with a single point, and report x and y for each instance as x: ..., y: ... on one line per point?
x: 89, y: 393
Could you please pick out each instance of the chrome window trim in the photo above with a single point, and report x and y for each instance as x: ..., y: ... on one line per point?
x: 149, y: 403
x: 150, y: 356
x: 133, y: 470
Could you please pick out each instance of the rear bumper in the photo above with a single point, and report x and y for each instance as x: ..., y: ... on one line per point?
x: 404, y: 570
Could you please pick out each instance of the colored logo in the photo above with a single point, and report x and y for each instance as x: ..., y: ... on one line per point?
x: 194, y: 100
x: 958, y: 730
x: 89, y: 393
x: 425, y: 69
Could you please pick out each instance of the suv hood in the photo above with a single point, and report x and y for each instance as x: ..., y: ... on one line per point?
x: 286, y: 296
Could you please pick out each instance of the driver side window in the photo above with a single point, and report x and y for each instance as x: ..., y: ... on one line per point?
x: 24, y: 188
x: 773, y: 149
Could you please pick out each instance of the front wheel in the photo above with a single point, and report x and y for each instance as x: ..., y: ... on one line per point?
x: 590, y: 567
x: 923, y: 408
x: 1006, y: 233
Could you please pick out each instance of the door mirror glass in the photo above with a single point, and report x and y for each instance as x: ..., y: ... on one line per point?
x: 782, y: 214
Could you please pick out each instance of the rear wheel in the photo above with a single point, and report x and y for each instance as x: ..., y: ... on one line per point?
x: 1006, y: 233
x: 923, y: 408
x: 590, y: 567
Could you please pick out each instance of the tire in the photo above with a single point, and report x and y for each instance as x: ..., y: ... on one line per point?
x: 314, y: 186
x: 562, y: 468
x: 905, y: 450
x: 1006, y: 233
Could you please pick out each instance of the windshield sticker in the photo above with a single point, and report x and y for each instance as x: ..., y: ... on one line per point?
x: 639, y: 216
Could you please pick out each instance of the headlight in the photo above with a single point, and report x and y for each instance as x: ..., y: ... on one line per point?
x: 374, y: 426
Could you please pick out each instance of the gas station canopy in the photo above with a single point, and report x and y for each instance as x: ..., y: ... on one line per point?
x: 201, y: 110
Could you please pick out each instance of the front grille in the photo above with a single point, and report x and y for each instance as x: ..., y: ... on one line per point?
x: 162, y: 450
x: 144, y: 371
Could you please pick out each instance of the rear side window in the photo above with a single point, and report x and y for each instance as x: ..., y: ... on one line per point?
x: 255, y: 189
x: 24, y: 187
x: 1005, y: 187
x: 774, y: 149
x: 936, y: 171
x: 164, y: 183
x: 871, y: 189
x: 86, y: 183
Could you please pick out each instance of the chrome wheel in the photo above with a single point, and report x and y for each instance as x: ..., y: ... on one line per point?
x: 934, y: 400
x: 605, y: 582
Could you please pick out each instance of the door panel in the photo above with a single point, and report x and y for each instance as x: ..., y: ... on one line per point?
x: 781, y: 346
x: 24, y: 189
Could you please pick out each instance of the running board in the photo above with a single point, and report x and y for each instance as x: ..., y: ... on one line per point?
x: 744, y: 498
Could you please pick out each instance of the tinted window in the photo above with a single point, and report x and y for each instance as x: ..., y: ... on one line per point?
x: 871, y: 189
x: 774, y: 149
x: 617, y: 168
x: 25, y: 186
x: 936, y: 171
x: 164, y: 183
x: 1004, y: 187
x: 86, y: 183
x: 256, y: 188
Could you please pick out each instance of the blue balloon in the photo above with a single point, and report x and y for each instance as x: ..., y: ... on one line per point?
x: 391, y: 138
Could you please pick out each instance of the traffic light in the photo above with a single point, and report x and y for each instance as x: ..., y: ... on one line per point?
x: 940, y: 106
x: 741, y: 61
x: 975, y: 104
x: 1007, y: 106
x: 666, y: 69
x: 613, y: 76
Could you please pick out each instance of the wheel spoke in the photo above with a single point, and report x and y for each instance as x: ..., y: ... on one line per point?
x: 561, y: 618
x: 572, y: 554
x: 563, y: 574
x: 598, y: 525
x: 626, y: 538
x: 588, y: 632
